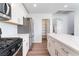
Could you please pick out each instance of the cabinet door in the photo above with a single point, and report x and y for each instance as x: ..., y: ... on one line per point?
x: 64, y: 50
x: 14, y: 13
x: 25, y: 43
x: 51, y: 46
x: 69, y: 51
x: 59, y: 48
x: 17, y: 13
x: 25, y: 48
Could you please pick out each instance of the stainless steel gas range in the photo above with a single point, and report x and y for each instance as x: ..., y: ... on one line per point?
x: 9, y: 46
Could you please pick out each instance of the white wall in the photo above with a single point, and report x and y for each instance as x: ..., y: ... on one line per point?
x: 61, y: 23
x: 37, y: 19
x: 67, y: 23
x: 76, y: 23
x: 70, y: 23
x: 8, y: 30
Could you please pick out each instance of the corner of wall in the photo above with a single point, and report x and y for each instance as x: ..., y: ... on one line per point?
x: 37, y: 41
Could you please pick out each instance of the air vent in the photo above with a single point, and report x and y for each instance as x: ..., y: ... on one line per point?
x: 64, y: 11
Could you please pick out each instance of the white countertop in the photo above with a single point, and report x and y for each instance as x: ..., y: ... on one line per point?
x: 16, y: 35
x: 69, y: 40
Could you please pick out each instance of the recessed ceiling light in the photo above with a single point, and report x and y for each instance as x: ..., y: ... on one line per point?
x: 35, y: 5
x: 65, y: 6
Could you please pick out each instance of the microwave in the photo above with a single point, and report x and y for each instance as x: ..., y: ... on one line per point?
x: 5, y: 11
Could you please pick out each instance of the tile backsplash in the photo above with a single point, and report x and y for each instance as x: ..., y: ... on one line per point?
x: 8, y: 29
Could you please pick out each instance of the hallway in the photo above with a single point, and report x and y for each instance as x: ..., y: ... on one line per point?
x: 39, y: 49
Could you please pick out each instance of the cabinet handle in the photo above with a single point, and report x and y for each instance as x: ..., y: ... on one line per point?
x: 56, y: 52
x: 65, y: 51
x: 49, y: 44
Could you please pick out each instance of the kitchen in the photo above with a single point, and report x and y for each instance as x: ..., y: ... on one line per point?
x: 22, y: 22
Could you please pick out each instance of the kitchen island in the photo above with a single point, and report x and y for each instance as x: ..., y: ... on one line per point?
x: 63, y: 45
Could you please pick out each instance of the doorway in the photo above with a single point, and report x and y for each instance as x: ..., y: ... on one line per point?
x: 45, y: 29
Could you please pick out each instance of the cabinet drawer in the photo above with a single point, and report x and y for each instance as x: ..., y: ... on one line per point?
x: 51, y: 49
x: 50, y: 39
x: 69, y: 51
x: 65, y: 50
x: 58, y: 50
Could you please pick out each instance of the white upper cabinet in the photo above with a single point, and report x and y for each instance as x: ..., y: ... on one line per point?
x: 17, y: 13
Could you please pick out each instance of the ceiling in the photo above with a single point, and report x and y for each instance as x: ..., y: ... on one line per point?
x: 49, y: 7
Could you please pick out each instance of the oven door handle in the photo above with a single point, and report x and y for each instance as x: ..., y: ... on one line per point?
x: 17, y: 50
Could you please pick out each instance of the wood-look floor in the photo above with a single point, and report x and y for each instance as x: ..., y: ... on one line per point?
x: 39, y: 49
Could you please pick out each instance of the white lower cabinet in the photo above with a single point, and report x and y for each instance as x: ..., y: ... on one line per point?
x: 51, y: 46
x: 64, y: 50
x: 25, y: 43
x: 57, y: 48
x: 25, y: 48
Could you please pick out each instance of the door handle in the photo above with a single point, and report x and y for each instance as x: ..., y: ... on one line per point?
x: 65, y: 51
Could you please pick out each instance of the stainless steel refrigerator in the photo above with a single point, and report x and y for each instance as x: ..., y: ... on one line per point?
x: 27, y: 27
